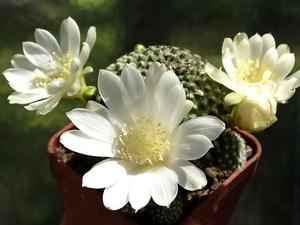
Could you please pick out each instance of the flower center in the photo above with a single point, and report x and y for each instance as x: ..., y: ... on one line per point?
x: 252, y: 72
x: 145, y: 143
x: 61, y: 70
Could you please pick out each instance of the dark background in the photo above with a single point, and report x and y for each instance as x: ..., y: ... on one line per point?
x: 28, y: 193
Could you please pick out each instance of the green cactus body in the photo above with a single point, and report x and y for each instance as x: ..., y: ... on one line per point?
x: 208, y: 98
x: 231, y: 151
x: 158, y: 215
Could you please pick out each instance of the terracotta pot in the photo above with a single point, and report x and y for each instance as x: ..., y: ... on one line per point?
x: 84, y: 205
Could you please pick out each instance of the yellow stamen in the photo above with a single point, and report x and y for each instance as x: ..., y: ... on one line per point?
x: 253, y: 71
x: 145, y: 143
x: 62, y: 71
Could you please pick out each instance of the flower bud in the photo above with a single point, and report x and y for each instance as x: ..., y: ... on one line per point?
x: 254, y: 113
x: 90, y: 93
x: 139, y: 47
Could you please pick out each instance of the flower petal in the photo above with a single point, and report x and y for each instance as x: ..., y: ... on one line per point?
x: 243, y: 50
x: 187, y: 108
x: 94, y: 106
x: 239, y: 38
x: 75, y: 88
x: 256, y: 47
x: 189, y: 176
x: 110, y: 91
x: 156, y: 95
x: 233, y: 98
x: 16, y: 75
x: 140, y: 191
x: 254, y: 88
x: 76, y: 69
x: 268, y: 42
x: 165, y: 188
x: 193, y: 138
x: 154, y: 73
x: 116, y: 196
x: 70, y: 36
x: 296, y: 75
x: 84, y: 54
x: 285, y: 89
x: 38, y: 105
x: 56, y: 86
x: 132, y: 89
x: 84, y: 144
x: 45, y: 106
x: 93, y: 124
x: 209, y: 126
x: 166, y: 82
x: 218, y: 75
x: 106, y: 173
x: 37, y: 55
x: 91, y: 37
x: 172, y: 106
x: 190, y: 147
x: 283, y: 66
x: 25, y: 98
x: 283, y: 49
x: 239, y: 86
x: 20, y: 61
x: 227, y: 61
x: 269, y: 60
x: 45, y: 39
x: 228, y: 44
x: 19, y: 79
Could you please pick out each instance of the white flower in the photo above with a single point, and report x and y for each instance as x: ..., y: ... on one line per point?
x: 255, y: 113
x: 140, y: 133
x: 49, y: 71
x: 255, y: 66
